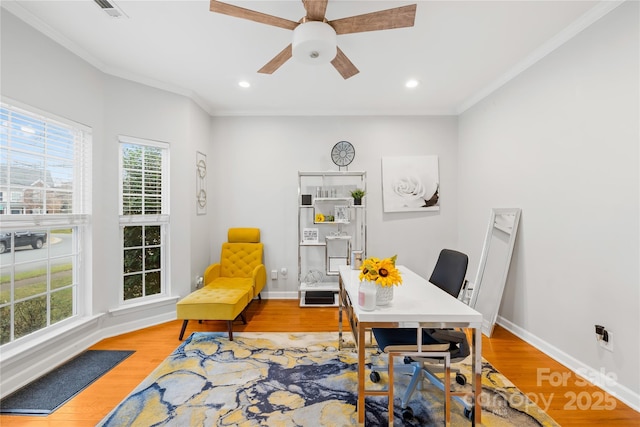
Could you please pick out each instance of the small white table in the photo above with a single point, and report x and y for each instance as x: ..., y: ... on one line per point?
x: 416, y: 303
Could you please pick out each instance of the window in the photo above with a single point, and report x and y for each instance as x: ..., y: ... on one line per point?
x: 44, y: 212
x: 144, y: 219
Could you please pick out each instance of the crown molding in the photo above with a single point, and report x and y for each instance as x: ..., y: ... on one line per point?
x: 594, y: 14
x: 601, y: 9
x: 23, y: 14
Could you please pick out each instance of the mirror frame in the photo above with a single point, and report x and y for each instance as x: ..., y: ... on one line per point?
x: 489, y: 318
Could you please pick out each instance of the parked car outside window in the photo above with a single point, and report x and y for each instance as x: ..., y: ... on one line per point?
x: 22, y: 238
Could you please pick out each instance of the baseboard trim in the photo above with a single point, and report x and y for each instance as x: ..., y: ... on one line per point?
x: 129, y: 308
x: 596, y: 377
x: 280, y: 295
x: 31, y: 363
x: 137, y: 324
x: 26, y: 366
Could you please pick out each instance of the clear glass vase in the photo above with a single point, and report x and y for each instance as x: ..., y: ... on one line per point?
x: 384, y: 295
x: 367, y: 295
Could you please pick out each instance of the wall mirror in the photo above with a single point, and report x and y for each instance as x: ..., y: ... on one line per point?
x: 494, y: 265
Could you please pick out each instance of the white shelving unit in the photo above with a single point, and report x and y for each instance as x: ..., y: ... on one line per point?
x: 324, y: 245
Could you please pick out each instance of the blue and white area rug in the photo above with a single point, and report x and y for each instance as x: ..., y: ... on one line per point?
x: 294, y: 379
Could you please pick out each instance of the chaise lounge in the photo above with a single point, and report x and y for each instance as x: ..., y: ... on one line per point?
x: 231, y: 284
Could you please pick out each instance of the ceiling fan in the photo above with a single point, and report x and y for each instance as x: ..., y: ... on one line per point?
x: 314, y: 38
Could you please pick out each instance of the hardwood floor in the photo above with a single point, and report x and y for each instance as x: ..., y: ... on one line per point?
x: 569, y: 402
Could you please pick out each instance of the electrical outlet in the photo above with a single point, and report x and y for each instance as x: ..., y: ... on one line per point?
x: 274, y: 274
x: 284, y: 271
x: 607, y: 345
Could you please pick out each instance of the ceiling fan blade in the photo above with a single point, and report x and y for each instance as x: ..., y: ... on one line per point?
x: 277, y: 61
x: 399, y: 17
x: 316, y: 9
x: 251, y: 15
x: 344, y: 66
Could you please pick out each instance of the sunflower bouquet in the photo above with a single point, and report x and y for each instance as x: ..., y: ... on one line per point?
x: 381, y: 271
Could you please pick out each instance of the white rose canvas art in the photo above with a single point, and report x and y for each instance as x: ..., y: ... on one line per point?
x: 410, y: 184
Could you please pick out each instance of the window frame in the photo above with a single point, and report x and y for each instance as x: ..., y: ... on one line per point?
x: 161, y: 219
x: 79, y: 220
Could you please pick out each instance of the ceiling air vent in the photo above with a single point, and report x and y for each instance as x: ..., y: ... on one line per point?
x: 110, y: 9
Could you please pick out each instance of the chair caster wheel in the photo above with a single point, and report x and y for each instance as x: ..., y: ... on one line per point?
x: 374, y: 376
x: 469, y: 414
x: 407, y: 413
x: 461, y: 379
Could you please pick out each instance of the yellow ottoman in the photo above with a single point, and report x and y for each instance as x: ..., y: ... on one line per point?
x: 211, y: 303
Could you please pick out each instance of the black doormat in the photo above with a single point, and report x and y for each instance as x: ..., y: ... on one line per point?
x: 49, y: 392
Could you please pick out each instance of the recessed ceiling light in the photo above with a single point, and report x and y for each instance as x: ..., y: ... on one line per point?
x: 411, y: 83
x: 244, y: 83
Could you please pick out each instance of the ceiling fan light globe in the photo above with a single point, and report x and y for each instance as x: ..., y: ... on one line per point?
x: 314, y: 42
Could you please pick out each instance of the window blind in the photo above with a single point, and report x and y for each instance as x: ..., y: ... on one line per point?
x: 44, y: 168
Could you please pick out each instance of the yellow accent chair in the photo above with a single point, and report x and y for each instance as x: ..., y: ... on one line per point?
x: 231, y: 284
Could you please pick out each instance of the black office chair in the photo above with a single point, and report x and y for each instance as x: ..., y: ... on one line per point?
x: 448, y: 274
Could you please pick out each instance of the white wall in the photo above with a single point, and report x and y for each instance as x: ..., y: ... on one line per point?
x: 561, y: 142
x: 40, y: 73
x: 257, y: 160
x: 143, y: 112
x: 199, y: 137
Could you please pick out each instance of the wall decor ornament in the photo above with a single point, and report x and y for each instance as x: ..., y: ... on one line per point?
x: 357, y: 195
x: 310, y: 235
x: 410, y: 184
x: 313, y: 277
x: 341, y: 213
x: 201, y: 183
x: 343, y: 154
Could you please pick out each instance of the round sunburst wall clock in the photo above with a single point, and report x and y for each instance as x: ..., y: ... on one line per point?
x: 343, y: 154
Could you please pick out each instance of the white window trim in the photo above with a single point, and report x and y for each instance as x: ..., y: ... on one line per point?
x: 82, y: 275
x: 34, y: 110
x: 155, y: 219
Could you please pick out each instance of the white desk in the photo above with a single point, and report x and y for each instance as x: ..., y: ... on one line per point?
x: 415, y: 303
